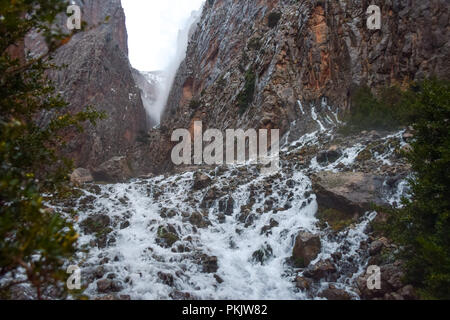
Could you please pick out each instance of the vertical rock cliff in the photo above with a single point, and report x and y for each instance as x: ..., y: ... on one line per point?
x: 303, y: 58
x: 99, y: 74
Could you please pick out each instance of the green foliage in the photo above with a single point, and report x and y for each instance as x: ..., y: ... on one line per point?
x: 336, y: 219
x: 274, y: 18
x: 245, y: 97
x: 34, y: 241
x: 390, y: 109
x: 422, y: 226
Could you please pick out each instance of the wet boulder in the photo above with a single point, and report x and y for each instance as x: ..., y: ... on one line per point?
x: 226, y: 205
x: 303, y: 283
x: 267, y: 228
x: 198, y: 220
x: 263, y: 254
x: 108, y: 285
x: 166, y: 278
x: 307, y: 247
x: 209, y: 263
x: 329, y: 156
x: 201, y: 181
x: 167, y: 236
x: 95, y: 224
x: 320, y: 270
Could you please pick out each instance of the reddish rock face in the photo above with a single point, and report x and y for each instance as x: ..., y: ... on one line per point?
x: 316, y: 55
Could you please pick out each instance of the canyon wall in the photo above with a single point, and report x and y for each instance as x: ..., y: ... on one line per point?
x: 303, y: 66
x: 99, y: 74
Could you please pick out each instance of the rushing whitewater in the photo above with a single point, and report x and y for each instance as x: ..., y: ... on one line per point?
x: 230, y: 240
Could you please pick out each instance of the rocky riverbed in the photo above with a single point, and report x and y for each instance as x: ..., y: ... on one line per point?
x: 306, y: 232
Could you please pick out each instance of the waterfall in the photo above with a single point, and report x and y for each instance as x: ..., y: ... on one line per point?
x: 170, y: 72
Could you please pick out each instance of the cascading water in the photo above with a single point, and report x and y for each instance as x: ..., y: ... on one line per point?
x: 170, y: 72
x: 165, y: 238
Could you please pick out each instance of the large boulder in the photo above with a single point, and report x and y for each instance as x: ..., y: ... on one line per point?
x: 350, y: 193
x: 81, y: 176
x: 307, y: 247
x: 115, y: 170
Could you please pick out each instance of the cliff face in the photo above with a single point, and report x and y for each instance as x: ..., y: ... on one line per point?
x: 305, y: 65
x: 98, y: 73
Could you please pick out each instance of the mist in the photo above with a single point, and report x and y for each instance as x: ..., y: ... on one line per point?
x: 158, y: 34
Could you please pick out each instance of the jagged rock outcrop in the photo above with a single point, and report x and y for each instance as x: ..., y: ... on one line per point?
x: 99, y: 74
x: 304, y: 66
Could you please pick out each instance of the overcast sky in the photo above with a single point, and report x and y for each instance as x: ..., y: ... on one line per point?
x: 153, y: 28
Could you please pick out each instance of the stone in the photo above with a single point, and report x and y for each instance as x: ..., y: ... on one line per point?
x: 166, y: 278
x: 391, y: 281
x: 267, y: 229
x: 201, y: 181
x: 408, y: 292
x: 218, y: 279
x: 263, y: 254
x: 351, y: 193
x: 124, y: 225
x: 320, y: 270
x: 99, y: 272
x: 167, y: 236
x: 178, y: 295
x: 115, y: 170
x: 226, y: 205
x: 197, y: 219
x: 210, y: 264
x: 307, y: 247
x: 108, y: 285
x: 95, y: 224
x: 81, y: 176
x: 333, y: 293
x: 375, y: 247
x: 329, y: 156
x: 303, y: 283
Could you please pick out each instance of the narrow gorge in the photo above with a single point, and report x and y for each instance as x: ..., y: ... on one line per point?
x: 151, y: 230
